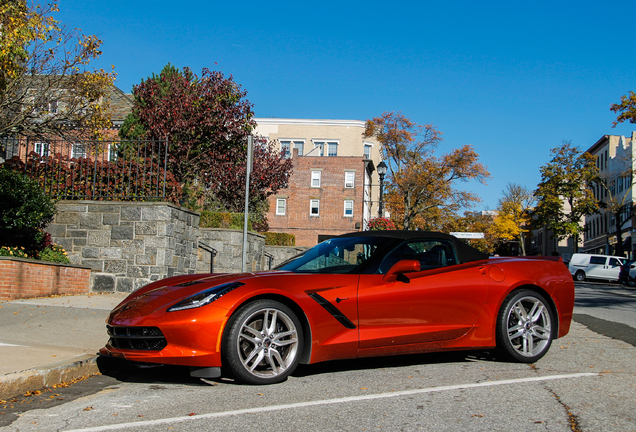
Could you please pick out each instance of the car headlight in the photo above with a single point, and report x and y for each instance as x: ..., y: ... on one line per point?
x: 205, y: 297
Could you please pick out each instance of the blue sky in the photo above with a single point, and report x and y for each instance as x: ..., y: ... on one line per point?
x: 512, y: 79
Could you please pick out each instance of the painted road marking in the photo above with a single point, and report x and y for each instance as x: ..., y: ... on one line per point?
x: 329, y: 402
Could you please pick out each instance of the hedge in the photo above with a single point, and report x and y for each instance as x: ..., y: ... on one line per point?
x: 212, y: 219
x: 279, y: 239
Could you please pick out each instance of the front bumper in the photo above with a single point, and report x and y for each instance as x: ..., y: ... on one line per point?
x: 142, y: 331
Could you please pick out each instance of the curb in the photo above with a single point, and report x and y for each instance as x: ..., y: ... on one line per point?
x: 18, y: 383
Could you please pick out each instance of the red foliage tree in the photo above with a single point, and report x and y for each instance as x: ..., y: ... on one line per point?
x: 270, y: 173
x: 206, y: 121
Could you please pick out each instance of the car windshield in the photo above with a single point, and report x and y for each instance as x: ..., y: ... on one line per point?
x: 336, y: 255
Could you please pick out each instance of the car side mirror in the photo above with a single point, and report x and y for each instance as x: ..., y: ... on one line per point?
x: 397, y: 271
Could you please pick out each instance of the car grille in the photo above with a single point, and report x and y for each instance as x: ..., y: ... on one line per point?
x: 136, y: 338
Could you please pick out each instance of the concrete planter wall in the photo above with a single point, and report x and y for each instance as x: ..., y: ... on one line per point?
x: 24, y: 278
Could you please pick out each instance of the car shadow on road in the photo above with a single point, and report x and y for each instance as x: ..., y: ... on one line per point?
x: 392, y: 361
x: 125, y: 371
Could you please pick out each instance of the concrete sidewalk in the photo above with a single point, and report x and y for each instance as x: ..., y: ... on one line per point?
x: 45, y: 341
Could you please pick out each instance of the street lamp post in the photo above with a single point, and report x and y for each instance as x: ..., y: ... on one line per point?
x: 381, y: 172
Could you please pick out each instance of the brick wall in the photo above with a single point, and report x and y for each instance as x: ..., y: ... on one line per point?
x: 331, y: 193
x: 22, y: 278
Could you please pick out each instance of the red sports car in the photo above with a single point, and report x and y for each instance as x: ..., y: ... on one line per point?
x: 362, y: 294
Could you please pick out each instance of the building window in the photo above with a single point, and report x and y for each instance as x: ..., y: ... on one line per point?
x: 281, y: 207
x: 333, y: 149
x: 367, y: 151
x: 350, y: 178
x: 112, y: 152
x: 79, y: 151
x: 314, y: 207
x: 330, y: 146
x: 348, y: 208
x: 285, y: 147
x: 53, y: 107
x: 41, y: 149
x: 315, y: 179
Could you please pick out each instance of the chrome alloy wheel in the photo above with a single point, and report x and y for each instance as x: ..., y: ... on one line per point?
x: 267, y: 343
x: 529, y: 326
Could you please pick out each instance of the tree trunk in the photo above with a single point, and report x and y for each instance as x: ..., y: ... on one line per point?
x: 407, y: 206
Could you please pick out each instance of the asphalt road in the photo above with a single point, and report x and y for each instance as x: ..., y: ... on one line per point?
x: 587, y: 382
x: 607, y: 308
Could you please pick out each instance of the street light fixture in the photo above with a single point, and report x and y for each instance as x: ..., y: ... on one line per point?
x: 381, y: 172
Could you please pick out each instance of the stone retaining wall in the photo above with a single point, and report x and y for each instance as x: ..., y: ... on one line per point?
x: 24, y: 278
x: 127, y: 244
x: 130, y: 244
x: 229, y: 246
x: 282, y: 253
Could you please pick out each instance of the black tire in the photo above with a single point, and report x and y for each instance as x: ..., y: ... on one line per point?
x: 257, y: 356
x: 631, y: 281
x: 525, y: 326
x: 580, y: 276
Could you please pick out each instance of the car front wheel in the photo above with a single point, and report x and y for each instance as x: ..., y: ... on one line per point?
x: 264, y: 342
x: 524, y: 327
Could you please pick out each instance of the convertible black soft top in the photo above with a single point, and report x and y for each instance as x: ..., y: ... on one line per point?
x: 466, y: 253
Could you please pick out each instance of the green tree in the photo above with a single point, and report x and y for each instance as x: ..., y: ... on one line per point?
x: 474, y: 222
x: 513, y: 215
x: 420, y: 186
x: 626, y: 109
x: 564, y: 195
x: 46, y: 86
x: 24, y: 212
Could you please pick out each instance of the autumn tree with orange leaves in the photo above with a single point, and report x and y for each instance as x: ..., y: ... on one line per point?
x: 46, y: 85
x: 421, y: 187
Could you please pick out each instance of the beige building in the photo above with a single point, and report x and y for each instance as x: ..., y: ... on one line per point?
x: 334, y: 188
x: 614, y: 159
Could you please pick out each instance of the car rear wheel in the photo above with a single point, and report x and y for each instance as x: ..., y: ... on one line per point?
x: 580, y: 276
x: 264, y: 342
x: 631, y: 281
x: 524, y: 327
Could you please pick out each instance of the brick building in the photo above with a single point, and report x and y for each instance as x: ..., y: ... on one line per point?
x: 334, y: 187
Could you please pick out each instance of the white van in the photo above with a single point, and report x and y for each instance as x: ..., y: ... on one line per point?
x: 583, y: 266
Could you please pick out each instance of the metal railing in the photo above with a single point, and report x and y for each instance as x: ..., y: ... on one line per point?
x: 212, y: 252
x: 124, y: 170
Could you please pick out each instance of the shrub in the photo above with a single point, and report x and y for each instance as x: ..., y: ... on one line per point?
x: 54, y: 253
x: 279, y: 239
x: 212, y: 219
x: 380, y: 224
x: 17, y: 252
x: 24, y: 212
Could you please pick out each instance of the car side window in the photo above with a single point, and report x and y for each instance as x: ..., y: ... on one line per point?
x: 598, y: 260
x: 431, y: 254
x: 614, y: 262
